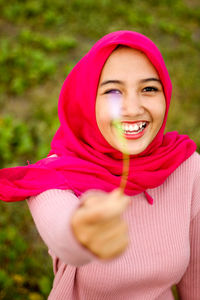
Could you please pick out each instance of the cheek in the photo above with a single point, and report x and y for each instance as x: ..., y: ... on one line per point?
x: 102, y: 113
x: 159, y: 111
x: 103, y: 120
x: 163, y: 110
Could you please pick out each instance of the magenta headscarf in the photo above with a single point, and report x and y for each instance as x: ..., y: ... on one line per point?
x: 84, y: 158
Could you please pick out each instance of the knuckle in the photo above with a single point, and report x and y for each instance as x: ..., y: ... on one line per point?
x: 84, y: 238
x: 95, y: 248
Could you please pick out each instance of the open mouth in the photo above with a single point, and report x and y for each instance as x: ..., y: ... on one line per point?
x: 133, y: 129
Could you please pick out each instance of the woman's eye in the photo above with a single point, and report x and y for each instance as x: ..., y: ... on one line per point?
x: 113, y: 91
x: 150, y: 89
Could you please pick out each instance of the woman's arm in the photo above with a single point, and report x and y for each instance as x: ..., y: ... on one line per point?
x: 51, y: 212
x: 189, y: 286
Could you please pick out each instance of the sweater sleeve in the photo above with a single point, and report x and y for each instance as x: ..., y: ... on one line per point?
x: 51, y: 212
x: 189, y: 286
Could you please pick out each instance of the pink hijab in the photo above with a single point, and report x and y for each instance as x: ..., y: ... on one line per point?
x: 84, y: 159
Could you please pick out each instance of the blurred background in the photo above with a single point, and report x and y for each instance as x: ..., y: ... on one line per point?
x: 40, y: 42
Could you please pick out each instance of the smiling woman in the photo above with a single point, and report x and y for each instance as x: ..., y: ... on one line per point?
x: 106, y: 244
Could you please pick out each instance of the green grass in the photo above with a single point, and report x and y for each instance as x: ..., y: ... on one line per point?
x: 25, y: 271
x: 40, y: 42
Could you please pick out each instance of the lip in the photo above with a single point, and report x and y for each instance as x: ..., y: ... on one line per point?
x: 138, y: 135
x: 133, y: 122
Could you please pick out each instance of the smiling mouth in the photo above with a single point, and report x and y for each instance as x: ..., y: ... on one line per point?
x: 133, y: 128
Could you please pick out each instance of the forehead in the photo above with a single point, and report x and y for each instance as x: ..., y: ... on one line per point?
x: 125, y: 61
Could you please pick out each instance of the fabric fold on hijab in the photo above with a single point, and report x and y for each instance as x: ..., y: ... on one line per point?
x: 83, y: 159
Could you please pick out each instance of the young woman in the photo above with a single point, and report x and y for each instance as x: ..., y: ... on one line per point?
x: 106, y: 244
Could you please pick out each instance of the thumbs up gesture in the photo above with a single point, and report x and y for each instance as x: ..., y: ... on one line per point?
x: 98, y: 224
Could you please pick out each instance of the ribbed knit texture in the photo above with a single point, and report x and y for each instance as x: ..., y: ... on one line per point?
x: 164, y: 247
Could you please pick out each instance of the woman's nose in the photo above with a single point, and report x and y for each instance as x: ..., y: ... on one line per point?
x: 132, y: 105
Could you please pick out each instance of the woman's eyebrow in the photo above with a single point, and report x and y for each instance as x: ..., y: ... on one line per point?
x: 150, y: 79
x: 111, y: 81
x: 121, y: 82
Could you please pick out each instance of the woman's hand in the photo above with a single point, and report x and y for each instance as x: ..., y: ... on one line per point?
x: 98, y: 223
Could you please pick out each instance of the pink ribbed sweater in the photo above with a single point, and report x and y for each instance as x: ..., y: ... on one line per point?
x: 164, y: 247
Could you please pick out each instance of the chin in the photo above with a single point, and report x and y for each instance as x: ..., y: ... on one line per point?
x: 130, y: 151
x: 135, y: 152
x: 133, y: 149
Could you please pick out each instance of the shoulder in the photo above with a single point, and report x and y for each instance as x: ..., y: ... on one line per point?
x: 184, y: 183
x: 191, y: 169
x: 191, y: 165
x: 187, y: 173
x: 195, y: 157
x: 52, y: 199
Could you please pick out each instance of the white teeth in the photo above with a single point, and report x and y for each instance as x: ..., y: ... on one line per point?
x: 133, y: 127
x: 126, y: 127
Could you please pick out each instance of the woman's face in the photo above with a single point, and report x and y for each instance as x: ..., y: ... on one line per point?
x: 129, y: 75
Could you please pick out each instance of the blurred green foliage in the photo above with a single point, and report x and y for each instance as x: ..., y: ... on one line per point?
x: 29, y: 56
x: 41, y: 40
x: 25, y: 271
